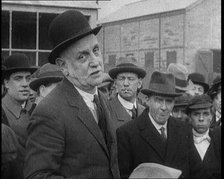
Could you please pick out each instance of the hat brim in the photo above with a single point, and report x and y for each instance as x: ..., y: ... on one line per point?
x: 9, y: 71
x: 115, y: 71
x: 148, y: 92
x: 63, y: 45
x: 35, y: 84
x: 199, y: 106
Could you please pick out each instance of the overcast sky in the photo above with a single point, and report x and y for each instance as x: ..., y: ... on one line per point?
x: 109, y: 6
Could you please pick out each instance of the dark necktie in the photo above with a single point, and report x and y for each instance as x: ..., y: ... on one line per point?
x: 163, y: 134
x: 101, y: 117
x: 134, y: 112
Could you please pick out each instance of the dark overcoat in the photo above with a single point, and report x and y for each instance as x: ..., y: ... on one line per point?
x: 64, y: 141
x: 210, y: 166
x: 140, y: 142
x: 119, y: 113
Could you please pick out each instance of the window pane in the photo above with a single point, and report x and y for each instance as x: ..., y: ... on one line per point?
x: 24, y: 30
x: 5, y: 29
x: 31, y: 55
x: 5, y: 54
x: 44, y: 22
x: 43, y: 58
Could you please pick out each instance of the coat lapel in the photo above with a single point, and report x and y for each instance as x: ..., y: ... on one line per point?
x: 121, y: 113
x: 84, y: 114
x: 150, y: 134
x: 173, y: 139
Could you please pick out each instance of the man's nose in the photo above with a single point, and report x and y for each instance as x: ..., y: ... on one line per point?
x: 25, y: 82
x: 163, y: 105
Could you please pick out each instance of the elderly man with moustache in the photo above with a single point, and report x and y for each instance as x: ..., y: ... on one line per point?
x: 71, y: 134
x: 155, y: 136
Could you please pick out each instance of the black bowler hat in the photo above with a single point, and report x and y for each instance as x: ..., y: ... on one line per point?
x: 17, y: 62
x: 47, y: 74
x: 66, y: 29
x: 162, y: 84
x: 127, y: 67
x: 198, y: 78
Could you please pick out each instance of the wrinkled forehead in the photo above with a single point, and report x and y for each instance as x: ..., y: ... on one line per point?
x: 83, y: 44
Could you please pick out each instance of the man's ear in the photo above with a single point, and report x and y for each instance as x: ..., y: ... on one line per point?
x: 139, y: 83
x: 62, y: 64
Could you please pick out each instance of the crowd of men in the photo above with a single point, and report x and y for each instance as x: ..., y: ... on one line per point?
x: 68, y: 119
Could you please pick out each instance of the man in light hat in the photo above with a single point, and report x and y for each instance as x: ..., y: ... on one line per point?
x: 205, y: 161
x: 128, y: 80
x: 15, y: 103
x: 180, y: 74
x: 155, y: 136
x: 199, y: 84
x: 215, y: 93
x: 71, y: 134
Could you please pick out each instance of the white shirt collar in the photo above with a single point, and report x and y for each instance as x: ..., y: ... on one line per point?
x: 127, y: 104
x: 157, y: 126
x: 87, y: 97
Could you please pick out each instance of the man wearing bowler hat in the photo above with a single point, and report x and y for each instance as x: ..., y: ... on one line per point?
x: 71, y: 134
x: 128, y: 80
x: 199, y: 84
x: 15, y: 103
x: 155, y: 136
x: 205, y: 161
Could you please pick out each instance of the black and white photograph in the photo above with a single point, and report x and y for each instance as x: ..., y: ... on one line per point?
x: 111, y: 89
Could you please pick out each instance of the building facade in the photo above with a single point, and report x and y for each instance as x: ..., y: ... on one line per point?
x: 187, y: 32
x: 25, y: 25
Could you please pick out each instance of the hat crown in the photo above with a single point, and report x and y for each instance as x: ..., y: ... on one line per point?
x: 178, y: 70
x: 67, y: 25
x: 161, y: 83
x: 196, y: 77
x: 199, y: 102
x: 17, y: 60
x: 49, y: 70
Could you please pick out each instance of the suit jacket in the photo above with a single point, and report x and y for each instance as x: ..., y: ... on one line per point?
x: 139, y: 142
x: 64, y: 141
x: 17, y: 119
x: 119, y: 113
x: 210, y: 166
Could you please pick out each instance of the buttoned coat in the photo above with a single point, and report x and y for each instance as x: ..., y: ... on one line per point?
x: 119, y: 113
x: 64, y: 141
x: 140, y: 142
x: 210, y: 166
x: 17, y: 119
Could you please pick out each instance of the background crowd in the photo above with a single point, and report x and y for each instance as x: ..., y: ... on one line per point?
x: 69, y: 119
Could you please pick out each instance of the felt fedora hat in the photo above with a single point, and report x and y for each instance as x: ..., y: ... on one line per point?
x: 198, y: 78
x: 17, y: 62
x: 127, y: 67
x: 48, y: 73
x: 162, y: 84
x: 180, y: 74
x: 66, y: 29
